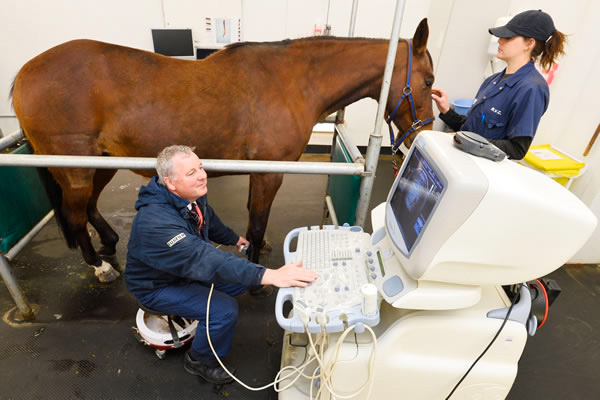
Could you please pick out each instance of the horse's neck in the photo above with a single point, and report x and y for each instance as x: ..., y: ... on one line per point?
x: 342, y: 71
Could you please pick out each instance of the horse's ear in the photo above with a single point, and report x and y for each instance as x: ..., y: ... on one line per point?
x: 420, y: 38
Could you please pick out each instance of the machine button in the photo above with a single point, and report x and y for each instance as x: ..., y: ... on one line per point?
x: 374, y: 276
x: 370, y: 261
x: 369, y: 253
x: 372, y: 268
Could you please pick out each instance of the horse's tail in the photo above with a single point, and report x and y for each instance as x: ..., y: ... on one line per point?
x: 11, y: 90
x: 55, y: 195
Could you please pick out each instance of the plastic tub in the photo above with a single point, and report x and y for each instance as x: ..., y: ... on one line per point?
x: 553, y: 162
x: 461, y: 106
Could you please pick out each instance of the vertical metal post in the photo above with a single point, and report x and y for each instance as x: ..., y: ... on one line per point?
x: 339, y: 116
x: 366, y: 183
x: 15, y: 290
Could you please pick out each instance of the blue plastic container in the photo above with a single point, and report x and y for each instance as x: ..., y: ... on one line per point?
x: 461, y: 106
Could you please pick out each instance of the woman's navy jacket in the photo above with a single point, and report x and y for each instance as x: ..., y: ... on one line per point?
x: 164, y: 248
x: 505, y: 109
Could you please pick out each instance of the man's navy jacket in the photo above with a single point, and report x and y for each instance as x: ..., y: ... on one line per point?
x: 164, y: 248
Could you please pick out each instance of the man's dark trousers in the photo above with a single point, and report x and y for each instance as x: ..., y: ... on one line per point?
x: 189, y: 300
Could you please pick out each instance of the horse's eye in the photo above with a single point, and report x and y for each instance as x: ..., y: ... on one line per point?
x: 428, y: 83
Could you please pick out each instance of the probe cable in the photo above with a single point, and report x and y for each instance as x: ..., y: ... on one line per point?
x: 488, y: 346
x: 326, y: 370
x: 298, y: 370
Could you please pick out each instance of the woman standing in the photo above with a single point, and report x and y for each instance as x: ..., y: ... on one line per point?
x: 508, y: 105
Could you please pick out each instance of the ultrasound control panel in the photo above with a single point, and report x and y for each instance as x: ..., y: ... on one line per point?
x: 342, y: 294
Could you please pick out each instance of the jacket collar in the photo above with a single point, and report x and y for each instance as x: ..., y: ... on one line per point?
x: 517, y: 76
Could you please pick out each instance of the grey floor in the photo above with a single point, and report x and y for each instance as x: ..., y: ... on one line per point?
x: 81, y: 345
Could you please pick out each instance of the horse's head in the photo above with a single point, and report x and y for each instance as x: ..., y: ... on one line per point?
x: 409, y: 106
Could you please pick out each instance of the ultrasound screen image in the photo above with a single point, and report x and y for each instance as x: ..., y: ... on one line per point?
x: 416, y: 195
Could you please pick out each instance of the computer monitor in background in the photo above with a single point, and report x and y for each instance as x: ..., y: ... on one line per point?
x: 174, y: 43
x: 203, y: 52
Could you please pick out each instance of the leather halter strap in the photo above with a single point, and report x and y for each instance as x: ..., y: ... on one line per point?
x: 406, y: 94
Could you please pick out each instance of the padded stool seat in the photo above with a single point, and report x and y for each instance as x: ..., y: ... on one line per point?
x: 176, y: 342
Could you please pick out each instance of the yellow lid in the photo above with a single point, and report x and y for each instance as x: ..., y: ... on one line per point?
x: 546, y: 158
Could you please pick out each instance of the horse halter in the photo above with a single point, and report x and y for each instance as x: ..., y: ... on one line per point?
x: 406, y: 94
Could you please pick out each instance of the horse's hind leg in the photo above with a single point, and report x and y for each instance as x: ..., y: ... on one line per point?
x: 77, y: 188
x: 108, y: 236
x: 263, y: 188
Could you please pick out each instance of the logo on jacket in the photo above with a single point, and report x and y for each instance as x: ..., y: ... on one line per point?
x: 176, y: 239
x: 495, y: 110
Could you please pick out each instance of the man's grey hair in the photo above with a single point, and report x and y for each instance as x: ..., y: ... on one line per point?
x: 164, y: 163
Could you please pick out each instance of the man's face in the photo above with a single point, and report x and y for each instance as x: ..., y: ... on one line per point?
x: 189, y: 177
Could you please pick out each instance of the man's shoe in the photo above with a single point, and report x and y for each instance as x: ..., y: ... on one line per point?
x: 260, y: 292
x: 216, y: 375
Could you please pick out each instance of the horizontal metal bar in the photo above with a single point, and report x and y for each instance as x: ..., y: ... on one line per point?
x: 234, y: 166
x: 11, y: 139
x: 349, y: 144
x: 14, y: 251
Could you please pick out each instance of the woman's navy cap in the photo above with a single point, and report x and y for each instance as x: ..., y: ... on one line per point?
x: 530, y: 24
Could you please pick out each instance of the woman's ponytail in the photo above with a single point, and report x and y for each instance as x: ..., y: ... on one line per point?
x: 549, y: 50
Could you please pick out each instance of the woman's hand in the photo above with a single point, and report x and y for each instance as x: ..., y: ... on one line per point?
x: 289, y: 275
x: 441, y: 99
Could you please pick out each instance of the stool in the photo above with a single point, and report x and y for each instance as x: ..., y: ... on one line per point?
x: 149, y: 334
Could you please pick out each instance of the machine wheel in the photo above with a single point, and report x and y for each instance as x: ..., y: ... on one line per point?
x: 161, y: 354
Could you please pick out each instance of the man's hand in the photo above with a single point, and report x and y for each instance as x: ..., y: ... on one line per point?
x: 289, y: 275
x: 441, y: 99
x: 242, y: 242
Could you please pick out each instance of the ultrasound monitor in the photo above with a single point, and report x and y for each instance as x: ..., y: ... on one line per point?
x: 173, y: 42
x: 418, y: 192
x: 455, y: 218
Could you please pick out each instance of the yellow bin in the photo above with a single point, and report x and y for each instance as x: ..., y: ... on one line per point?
x: 554, y: 163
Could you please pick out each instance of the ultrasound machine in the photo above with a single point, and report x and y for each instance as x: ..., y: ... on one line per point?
x: 432, y: 304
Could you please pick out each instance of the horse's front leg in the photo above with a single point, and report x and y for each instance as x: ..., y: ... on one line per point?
x: 263, y: 188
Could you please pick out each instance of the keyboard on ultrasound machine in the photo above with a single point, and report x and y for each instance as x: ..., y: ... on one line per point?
x: 338, y: 257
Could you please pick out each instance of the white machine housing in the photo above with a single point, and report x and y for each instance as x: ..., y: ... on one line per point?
x: 473, y: 222
x: 479, y: 224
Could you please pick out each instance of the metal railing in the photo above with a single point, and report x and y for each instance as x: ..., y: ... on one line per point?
x: 366, y: 169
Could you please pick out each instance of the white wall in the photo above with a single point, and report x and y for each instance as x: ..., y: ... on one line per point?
x: 29, y: 27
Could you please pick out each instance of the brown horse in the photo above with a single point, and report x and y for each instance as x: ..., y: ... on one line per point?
x: 249, y: 101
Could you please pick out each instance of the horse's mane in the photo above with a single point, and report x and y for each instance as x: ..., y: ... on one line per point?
x: 289, y: 42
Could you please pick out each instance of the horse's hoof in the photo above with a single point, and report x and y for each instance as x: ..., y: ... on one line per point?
x: 105, y: 272
x: 266, y: 247
x: 111, y: 259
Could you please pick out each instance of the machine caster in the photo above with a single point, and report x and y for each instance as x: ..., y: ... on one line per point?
x: 161, y: 354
